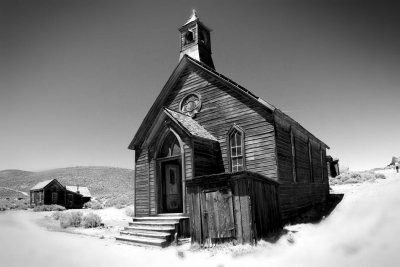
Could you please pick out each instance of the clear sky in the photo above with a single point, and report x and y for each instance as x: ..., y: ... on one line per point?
x: 77, y: 77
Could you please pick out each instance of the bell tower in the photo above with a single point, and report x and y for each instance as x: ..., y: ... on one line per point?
x: 195, y: 41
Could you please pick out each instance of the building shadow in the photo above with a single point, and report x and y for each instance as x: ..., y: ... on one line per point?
x: 313, y: 214
x: 317, y: 212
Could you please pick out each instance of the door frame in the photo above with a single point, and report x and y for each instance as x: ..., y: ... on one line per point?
x: 158, y: 169
x: 175, y: 161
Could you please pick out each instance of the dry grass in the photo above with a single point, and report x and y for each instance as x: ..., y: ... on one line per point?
x: 356, y: 177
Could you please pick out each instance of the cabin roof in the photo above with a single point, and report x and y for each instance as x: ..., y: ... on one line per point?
x: 42, y: 184
x: 173, y: 79
x: 189, y: 124
x: 83, y: 190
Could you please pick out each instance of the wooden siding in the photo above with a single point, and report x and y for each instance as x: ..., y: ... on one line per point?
x: 297, y: 196
x: 152, y: 188
x: 222, y: 107
x: 206, y: 157
x: 142, y: 178
x: 253, y: 200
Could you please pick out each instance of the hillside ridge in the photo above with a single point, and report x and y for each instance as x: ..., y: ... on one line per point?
x: 104, y: 182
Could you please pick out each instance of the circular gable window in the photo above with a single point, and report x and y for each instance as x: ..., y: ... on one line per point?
x: 190, y: 104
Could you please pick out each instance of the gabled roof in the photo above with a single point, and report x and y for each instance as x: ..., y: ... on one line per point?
x: 190, y: 126
x: 42, y: 184
x: 172, y: 81
x: 84, y: 191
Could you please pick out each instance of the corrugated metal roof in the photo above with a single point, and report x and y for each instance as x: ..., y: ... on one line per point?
x: 41, y: 185
x: 192, y: 126
x: 83, y: 190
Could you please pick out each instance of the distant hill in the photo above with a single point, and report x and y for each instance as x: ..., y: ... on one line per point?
x: 103, y: 182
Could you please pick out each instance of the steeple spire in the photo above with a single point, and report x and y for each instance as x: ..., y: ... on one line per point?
x: 193, y: 17
x: 195, y: 40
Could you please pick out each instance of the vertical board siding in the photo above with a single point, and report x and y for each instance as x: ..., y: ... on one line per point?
x: 254, y: 205
x: 221, y: 108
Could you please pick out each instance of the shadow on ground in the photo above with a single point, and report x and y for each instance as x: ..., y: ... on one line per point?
x: 313, y: 214
x: 317, y: 212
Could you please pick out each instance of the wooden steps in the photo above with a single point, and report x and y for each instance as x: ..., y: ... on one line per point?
x: 144, y: 240
x: 160, y: 230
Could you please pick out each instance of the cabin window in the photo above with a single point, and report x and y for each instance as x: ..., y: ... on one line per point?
x: 236, y: 149
x: 292, y: 141
x: 170, y: 147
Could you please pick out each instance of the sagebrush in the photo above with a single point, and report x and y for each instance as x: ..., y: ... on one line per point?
x: 71, y: 218
x: 93, y: 204
x: 356, y: 177
x: 91, y: 220
x: 49, y: 208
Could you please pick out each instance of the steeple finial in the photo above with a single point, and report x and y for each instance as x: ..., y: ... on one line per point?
x: 193, y: 17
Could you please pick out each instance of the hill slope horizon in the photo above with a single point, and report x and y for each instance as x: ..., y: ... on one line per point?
x: 105, y: 183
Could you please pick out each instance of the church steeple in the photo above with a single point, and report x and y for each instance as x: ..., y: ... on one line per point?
x: 195, y: 40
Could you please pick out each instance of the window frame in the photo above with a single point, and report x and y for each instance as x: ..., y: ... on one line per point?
x: 233, y: 130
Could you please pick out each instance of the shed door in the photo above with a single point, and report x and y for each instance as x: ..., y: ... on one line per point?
x: 219, y: 214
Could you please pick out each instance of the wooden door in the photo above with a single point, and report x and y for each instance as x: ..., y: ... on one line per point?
x: 173, y: 188
x: 218, y: 215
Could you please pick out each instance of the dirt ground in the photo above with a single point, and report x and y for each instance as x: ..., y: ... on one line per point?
x: 362, y: 231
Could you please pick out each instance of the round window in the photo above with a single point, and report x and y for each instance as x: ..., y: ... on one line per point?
x: 191, y: 104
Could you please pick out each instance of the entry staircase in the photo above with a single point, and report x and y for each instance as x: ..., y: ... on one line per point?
x: 160, y: 230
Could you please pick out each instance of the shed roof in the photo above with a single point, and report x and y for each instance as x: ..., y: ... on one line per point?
x: 83, y: 190
x: 189, y: 124
x: 42, y: 184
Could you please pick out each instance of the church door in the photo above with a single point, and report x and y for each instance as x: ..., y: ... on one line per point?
x: 172, y: 187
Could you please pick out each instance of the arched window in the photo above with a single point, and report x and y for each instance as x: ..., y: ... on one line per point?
x: 170, y: 147
x: 236, y: 149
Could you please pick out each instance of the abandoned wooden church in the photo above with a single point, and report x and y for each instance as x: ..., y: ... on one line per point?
x: 218, y: 161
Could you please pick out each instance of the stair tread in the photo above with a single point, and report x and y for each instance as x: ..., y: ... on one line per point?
x: 146, y: 233
x: 160, y: 218
x: 152, y: 223
x: 150, y: 227
x: 144, y: 240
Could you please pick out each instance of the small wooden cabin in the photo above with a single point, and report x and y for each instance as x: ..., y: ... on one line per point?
x: 52, y: 192
x: 77, y: 196
x: 49, y: 192
x: 203, y: 126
